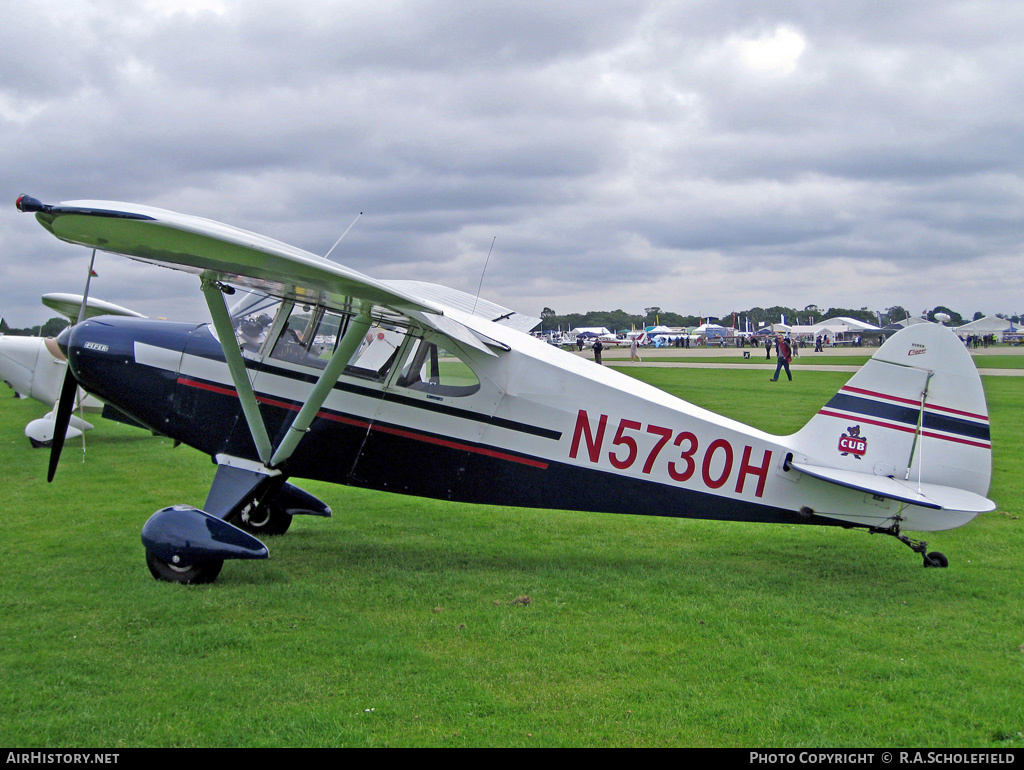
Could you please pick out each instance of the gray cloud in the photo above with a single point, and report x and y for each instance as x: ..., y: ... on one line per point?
x: 623, y: 154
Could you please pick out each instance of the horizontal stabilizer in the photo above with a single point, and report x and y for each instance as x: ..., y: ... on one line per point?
x: 933, y: 496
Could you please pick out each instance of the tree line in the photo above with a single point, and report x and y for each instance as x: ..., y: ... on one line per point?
x: 51, y: 328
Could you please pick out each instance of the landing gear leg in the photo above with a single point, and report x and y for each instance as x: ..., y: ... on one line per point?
x: 933, y: 559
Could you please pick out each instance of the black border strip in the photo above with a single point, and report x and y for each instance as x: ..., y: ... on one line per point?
x: 908, y: 416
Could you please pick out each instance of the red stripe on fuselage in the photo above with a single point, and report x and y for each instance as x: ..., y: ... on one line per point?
x: 356, y: 422
x: 207, y: 386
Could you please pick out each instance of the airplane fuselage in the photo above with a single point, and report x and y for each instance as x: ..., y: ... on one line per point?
x: 534, y: 433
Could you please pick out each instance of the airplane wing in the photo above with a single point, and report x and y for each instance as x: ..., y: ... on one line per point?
x: 228, y: 254
x: 467, y: 303
x: 69, y: 306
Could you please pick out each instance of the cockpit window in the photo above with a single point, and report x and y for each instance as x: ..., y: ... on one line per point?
x: 309, y: 337
x: 252, y: 316
x: 377, y: 353
x: 431, y: 369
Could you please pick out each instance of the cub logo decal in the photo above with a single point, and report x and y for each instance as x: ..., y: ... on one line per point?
x: 851, y: 443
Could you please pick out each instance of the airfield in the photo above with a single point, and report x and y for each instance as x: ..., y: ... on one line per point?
x: 997, y: 361
x: 412, y: 622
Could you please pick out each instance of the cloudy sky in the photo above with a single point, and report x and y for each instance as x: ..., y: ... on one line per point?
x: 698, y: 156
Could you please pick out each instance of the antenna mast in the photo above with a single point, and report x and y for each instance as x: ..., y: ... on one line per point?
x: 481, y: 284
x: 342, y: 235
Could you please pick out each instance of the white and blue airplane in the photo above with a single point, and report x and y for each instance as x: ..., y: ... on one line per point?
x: 34, y: 367
x: 415, y: 388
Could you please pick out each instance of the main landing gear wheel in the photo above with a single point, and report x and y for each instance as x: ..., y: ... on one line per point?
x: 191, y: 574
x: 265, y: 519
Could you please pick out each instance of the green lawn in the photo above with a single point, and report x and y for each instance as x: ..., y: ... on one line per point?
x: 755, y: 358
x: 999, y: 362
x: 407, y: 622
x: 809, y: 357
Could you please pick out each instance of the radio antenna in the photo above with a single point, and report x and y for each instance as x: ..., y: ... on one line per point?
x: 85, y: 296
x: 342, y: 235
x: 481, y: 284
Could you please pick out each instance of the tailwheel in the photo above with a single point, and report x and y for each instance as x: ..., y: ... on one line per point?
x: 188, y: 574
x: 935, y: 559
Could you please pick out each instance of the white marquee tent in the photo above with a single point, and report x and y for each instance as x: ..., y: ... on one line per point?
x: 986, y: 325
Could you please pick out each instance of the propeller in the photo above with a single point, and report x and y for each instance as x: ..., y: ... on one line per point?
x: 68, y: 390
x: 61, y: 419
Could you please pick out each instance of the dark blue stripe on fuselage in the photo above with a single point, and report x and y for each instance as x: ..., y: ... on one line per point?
x: 908, y: 416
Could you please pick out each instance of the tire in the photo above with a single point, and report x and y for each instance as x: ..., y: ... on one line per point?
x: 263, y: 520
x: 936, y: 559
x: 193, y: 574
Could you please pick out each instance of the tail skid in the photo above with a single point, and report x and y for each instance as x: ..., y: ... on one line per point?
x: 910, y: 426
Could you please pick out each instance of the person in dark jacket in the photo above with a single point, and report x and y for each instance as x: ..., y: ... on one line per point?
x: 783, y: 354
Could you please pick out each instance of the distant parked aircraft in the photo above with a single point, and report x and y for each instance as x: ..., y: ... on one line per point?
x: 34, y: 366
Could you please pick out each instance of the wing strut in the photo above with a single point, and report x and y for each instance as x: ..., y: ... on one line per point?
x: 236, y: 366
x: 356, y: 330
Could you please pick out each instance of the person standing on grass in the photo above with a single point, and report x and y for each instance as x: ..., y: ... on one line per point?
x: 783, y: 354
x: 634, y: 354
x: 598, y: 347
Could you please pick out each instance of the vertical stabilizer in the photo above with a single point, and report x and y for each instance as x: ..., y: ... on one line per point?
x: 915, y: 412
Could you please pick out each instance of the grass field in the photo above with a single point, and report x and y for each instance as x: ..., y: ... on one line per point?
x: 739, y: 360
x: 408, y: 622
x: 980, y: 361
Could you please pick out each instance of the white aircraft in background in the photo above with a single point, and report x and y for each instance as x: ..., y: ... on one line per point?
x: 34, y: 367
x: 433, y: 392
